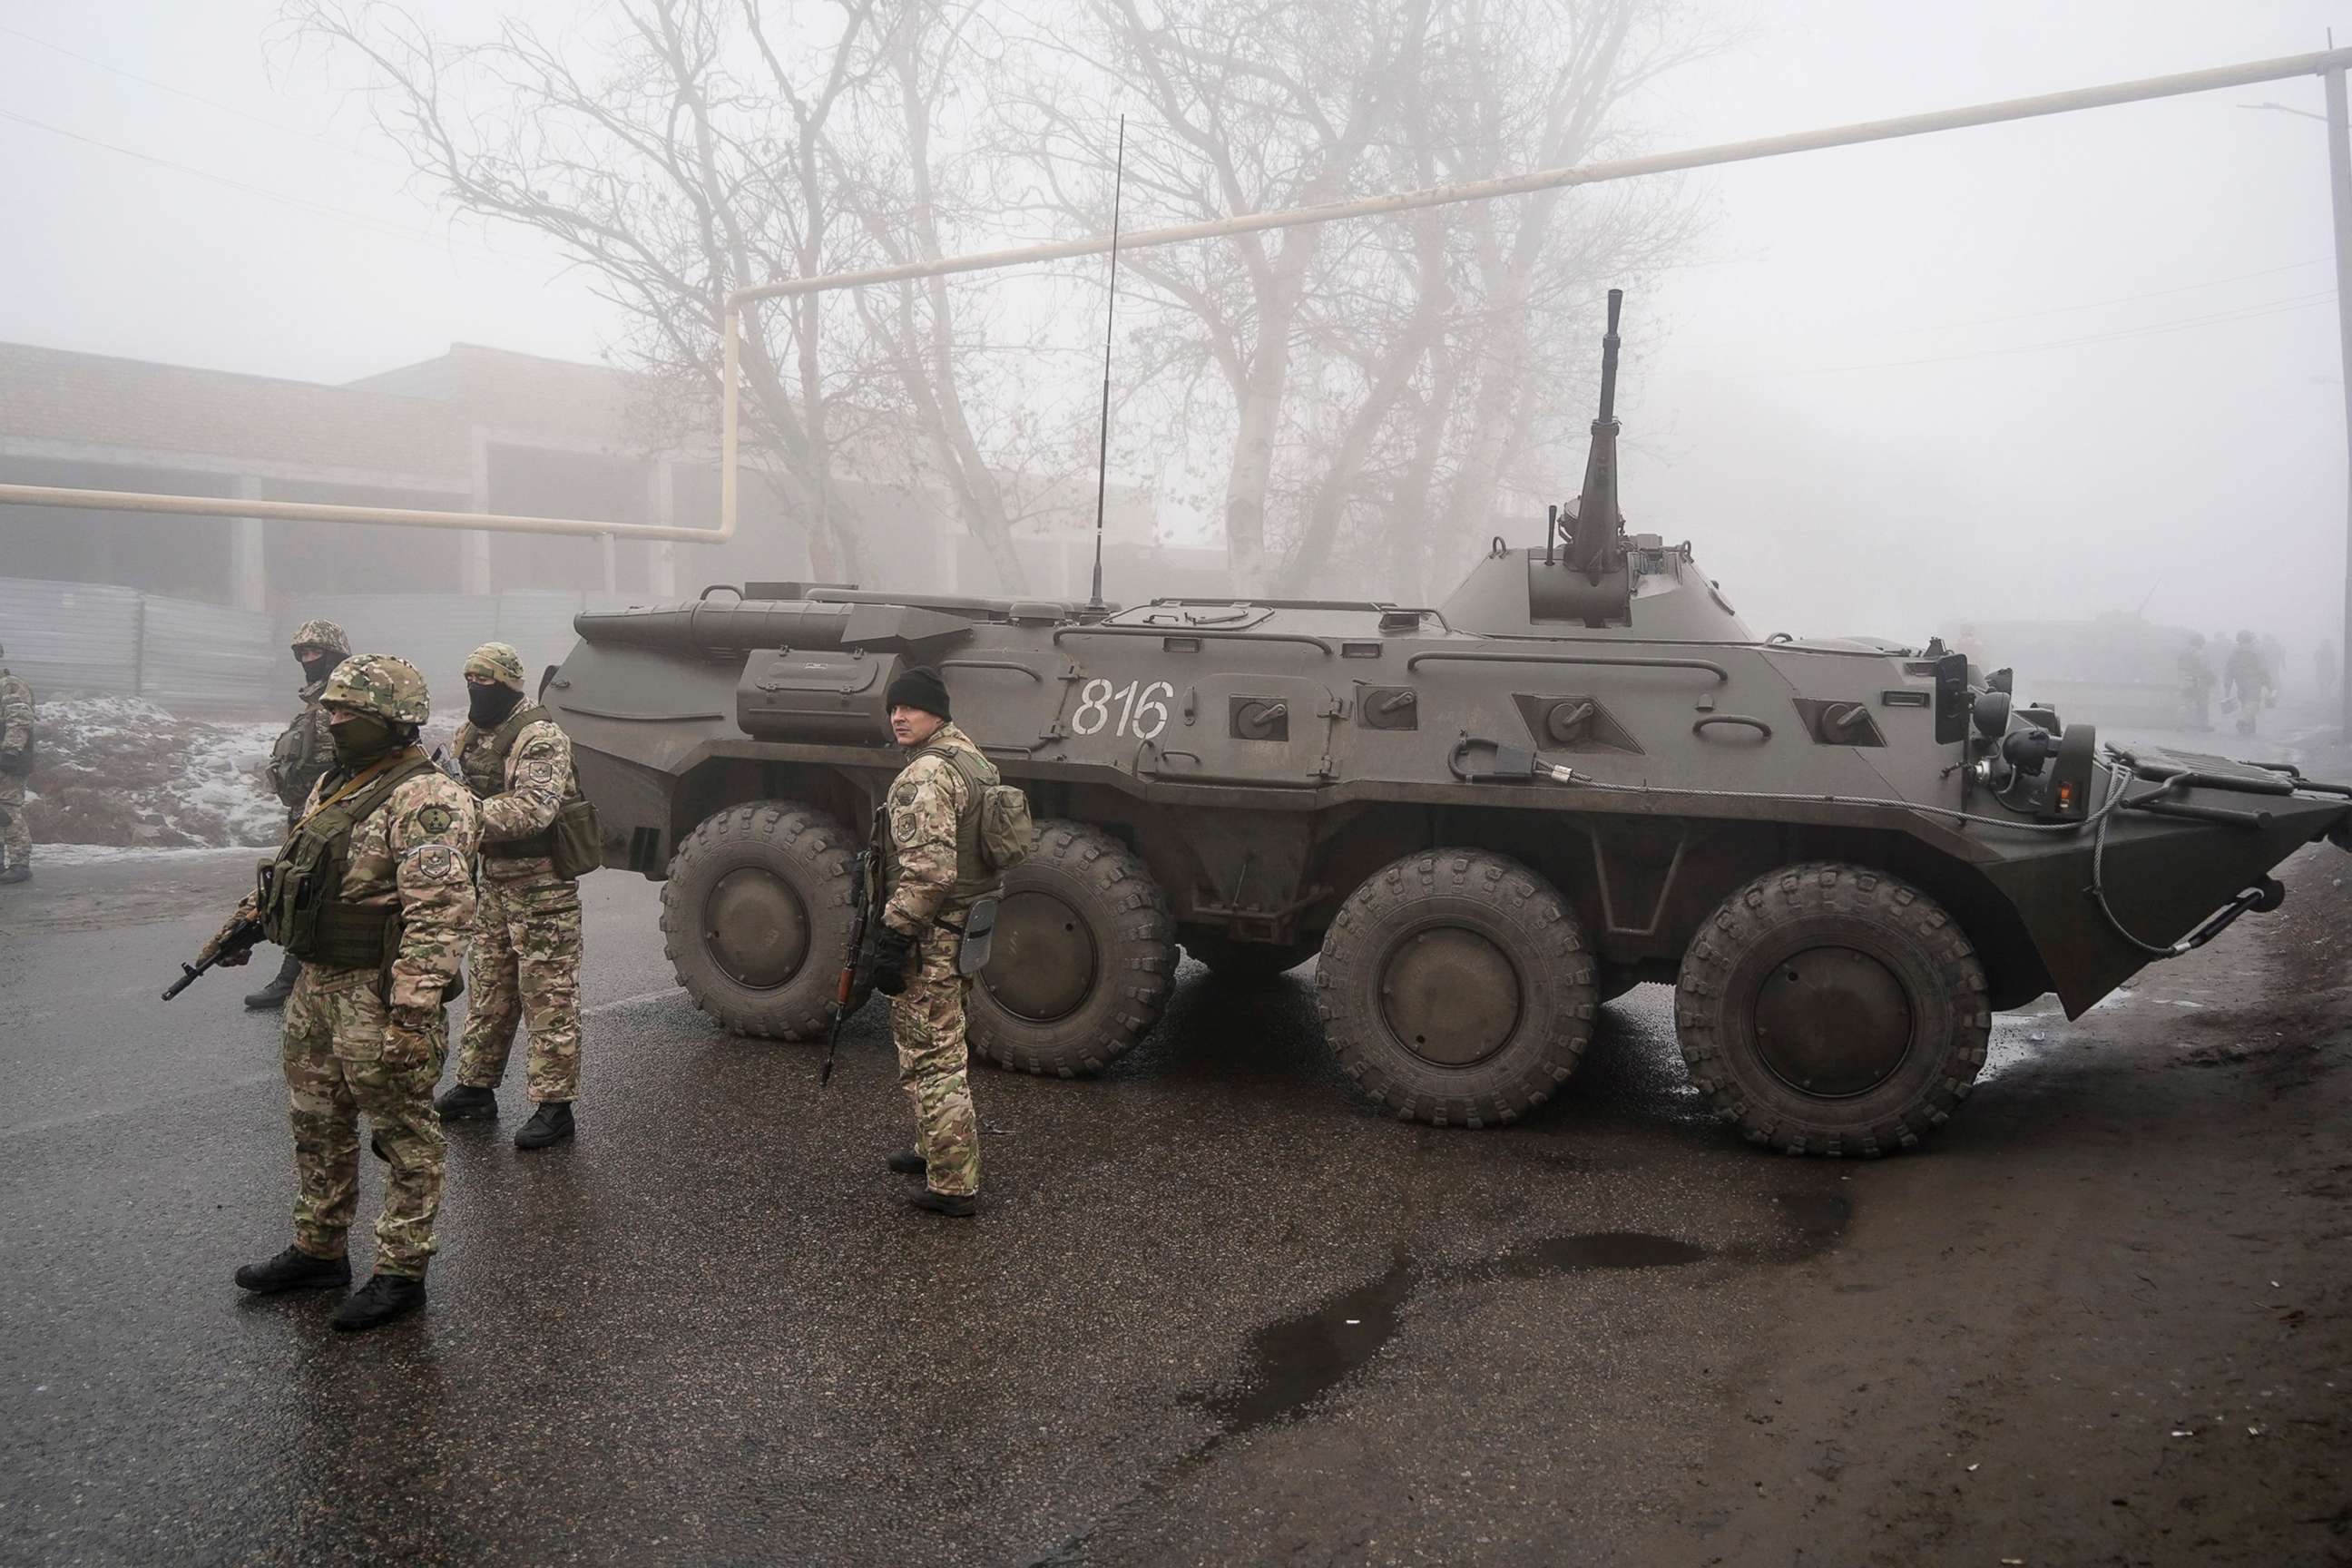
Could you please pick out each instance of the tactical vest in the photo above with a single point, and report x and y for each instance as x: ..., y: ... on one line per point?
x: 483, y: 759
x: 302, y: 909
x: 974, y: 879
x: 304, y: 752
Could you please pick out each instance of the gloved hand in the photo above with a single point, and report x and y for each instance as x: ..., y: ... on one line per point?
x: 211, y: 951
x: 892, y: 950
x: 408, y: 1037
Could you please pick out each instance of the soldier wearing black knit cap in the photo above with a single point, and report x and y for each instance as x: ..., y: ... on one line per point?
x: 934, y: 873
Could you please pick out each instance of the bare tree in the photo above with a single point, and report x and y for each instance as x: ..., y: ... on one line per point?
x: 1529, y: 274
x: 1248, y: 105
x: 699, y: 146
x: 1426, y: 394
x: 929, y: 49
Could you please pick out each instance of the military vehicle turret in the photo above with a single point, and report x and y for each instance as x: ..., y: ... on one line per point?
x: 1488, y: 816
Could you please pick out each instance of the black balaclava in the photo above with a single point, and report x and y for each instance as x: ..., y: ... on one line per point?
x: 317, y: 665
x: 365, y: 737
x: 488, y: 707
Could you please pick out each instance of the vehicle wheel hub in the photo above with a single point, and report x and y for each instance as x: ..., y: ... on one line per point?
x: 1043, y: 964
x: 1833, y: 1022
x: 1450, y: 997
x: 756, y: 929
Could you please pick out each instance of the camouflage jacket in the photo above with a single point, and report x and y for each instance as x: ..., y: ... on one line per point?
x: 416, y: 850
x: 305, y: 752
x: 538, y: 781
x: 16, y: 713
x: 926, y: 802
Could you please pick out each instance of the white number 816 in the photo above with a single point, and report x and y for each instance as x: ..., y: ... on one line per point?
x: 1142, y: 715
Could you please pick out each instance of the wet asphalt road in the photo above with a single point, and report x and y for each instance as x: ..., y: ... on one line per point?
x: 1215, y: 1310
x: 711, y: 1330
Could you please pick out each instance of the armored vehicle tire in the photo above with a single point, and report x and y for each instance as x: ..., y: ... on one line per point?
x: 1246, y: 962
x: 755, y: 917
x: 1084, y: 951
x: 1456, y: 989
x: 1831, y: 1009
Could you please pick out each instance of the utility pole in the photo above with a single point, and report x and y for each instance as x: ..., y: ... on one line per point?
x: 2339, y: 185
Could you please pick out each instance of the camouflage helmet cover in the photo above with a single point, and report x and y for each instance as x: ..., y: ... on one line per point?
x: 322, y: 634
x: 496, y: 661
x: 380, y: 684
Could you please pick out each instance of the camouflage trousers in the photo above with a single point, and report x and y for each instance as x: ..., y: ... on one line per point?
x: 335, y: 1072
x: 927, y: 1025
x: 525, y: 965
x: 16, y: 832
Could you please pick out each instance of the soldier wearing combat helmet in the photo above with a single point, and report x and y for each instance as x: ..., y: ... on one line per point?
x: 374, y: 891
x: 935, y: 875
x: 15, y: 765
x: 517, y: 761
x: 302, y: 753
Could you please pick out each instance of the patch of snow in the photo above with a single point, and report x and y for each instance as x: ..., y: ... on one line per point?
x: 122, y: 773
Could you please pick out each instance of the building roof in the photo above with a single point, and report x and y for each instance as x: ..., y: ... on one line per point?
x: 63, y: 401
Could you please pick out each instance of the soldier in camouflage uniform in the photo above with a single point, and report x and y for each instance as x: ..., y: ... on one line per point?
x: 15, y: 767
x: 526, y: 961
x: 301, y: 754
x: 935, y: 875
x: 374, y: 891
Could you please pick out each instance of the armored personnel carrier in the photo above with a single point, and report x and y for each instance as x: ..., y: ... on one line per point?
x: 1487, y: 817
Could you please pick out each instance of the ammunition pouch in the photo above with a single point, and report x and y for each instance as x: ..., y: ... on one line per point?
x: 579, y: 847
x: 573, y: 843
x: 352, y: 936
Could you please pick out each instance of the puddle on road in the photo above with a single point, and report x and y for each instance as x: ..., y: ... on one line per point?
x: 1296, y: 1359
x: 1299, y: 1358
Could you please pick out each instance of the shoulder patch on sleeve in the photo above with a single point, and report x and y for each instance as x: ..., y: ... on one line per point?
x: 436, y: 861
x: 906, y: 827
x: 435, y: 819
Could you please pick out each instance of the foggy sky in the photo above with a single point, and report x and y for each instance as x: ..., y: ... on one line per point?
x: 1774, y: 420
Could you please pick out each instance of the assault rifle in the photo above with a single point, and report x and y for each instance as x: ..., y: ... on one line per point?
x: 239, y: 938
x: 863, y: 898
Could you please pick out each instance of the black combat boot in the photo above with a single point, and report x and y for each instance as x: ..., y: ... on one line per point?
x: 909, y: 1163
x: 464, y: 1101
x: 17, y: 872
x: 384, y: 1298
x: 552, y: 1122
x: 294, y: 1270
x: 955, y: 1205
x: 273, y: 996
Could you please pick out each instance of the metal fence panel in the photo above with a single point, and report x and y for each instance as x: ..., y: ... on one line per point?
x: 71, y: 638
x: 196, y: 657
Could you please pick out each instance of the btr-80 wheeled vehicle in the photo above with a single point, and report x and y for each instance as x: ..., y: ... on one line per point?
x: 1580, y: 771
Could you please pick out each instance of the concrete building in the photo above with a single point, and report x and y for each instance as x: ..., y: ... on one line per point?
x: 484, y: 430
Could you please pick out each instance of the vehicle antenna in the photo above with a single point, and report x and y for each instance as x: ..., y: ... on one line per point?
x: 1110, y: 309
